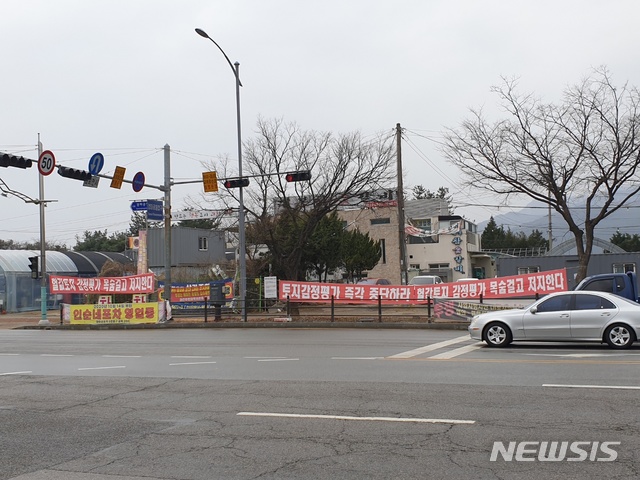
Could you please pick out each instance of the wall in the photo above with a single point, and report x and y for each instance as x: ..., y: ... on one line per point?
x: 185, y: 247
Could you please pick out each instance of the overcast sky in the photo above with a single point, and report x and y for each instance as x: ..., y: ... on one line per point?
x: 126, y: 77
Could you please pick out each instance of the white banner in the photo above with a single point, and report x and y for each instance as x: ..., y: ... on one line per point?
x: 196, y: 214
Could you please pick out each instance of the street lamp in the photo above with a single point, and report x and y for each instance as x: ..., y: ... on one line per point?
x: 235, y: 67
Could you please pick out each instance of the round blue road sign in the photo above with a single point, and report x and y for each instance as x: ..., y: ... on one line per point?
x: 138, y: 181
x: 96, y: 163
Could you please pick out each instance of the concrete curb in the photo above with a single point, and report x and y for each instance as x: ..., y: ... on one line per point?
x: 293, y: 324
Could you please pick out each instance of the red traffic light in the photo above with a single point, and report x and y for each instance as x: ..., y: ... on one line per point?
x: 301, y: 176
x: 236, y: 183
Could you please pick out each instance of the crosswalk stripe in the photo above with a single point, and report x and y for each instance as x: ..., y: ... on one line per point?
x: 457, y: 351
x: 429, y: 348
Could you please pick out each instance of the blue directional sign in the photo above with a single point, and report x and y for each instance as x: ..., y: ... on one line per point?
x: 138, y: 181
x: 155, y: 210
x: 139, y: 205
x: 96, y: 163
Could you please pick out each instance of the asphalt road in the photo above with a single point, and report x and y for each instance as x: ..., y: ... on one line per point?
x: 297, y: 404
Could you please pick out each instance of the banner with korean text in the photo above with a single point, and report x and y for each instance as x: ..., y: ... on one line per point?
x: 114, y: 313
x: 528, y: 285
x: 144, y: 283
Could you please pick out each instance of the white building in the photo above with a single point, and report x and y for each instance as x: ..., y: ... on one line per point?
x: 437, y: 243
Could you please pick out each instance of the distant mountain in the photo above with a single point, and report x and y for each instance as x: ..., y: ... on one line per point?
x: 535, y: 217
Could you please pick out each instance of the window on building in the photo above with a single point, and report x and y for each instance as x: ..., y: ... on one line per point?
x: 525, y: 270
x: 414, y: 266
x: 438, y: 266
x: 383, y: 249
x: 203, y: 244
x: 624, y: 267
x: 380, y: 221
x: 419, y: 240
x: 423, y: 223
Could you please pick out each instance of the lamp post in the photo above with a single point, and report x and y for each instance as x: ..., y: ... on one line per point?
x: 235, y: 67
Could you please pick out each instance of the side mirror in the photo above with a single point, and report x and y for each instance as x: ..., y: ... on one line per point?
x: 533, y: 309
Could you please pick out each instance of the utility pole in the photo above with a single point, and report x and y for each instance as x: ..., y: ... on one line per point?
x: 44, y: 321
x: 167, y: 223
x: 550, y: 229
x: 403, y: 246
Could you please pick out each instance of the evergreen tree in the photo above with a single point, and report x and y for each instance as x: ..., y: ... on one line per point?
x: 322, y: 252
x: 99, y: 241
x: 629, y: 243
x: 359, y: 253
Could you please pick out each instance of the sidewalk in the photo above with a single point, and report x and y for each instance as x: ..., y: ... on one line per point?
x: 32, y: 319
x: 26, y: 319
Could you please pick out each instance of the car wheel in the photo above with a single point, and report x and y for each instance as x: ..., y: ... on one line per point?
x: 497, y: 335
x: 619, y: 336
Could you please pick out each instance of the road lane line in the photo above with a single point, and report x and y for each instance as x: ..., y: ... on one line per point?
x: 612, y: 387
x: 9, y: 354
x: 191, y: 363
x: 190, y: 356
x: 457, y: 352
x: 346, y: 417
x: 121, y: 356
x: 102, y: 368
x: 356, y: 358
x: 253, y: 358
x: 16, y: 373
x: 277, y: 359
x: 429, y: 348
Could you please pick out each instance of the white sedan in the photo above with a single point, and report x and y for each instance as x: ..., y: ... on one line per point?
x: 580, y: 316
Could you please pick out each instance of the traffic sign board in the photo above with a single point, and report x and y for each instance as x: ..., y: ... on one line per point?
x: 210, y: 181
x: 92, y: 182
x: 138, y: 181
x: 139, y: 205
x: 118, y: 177
x: 46, y: 162
x: 154, y: 210
x: 96, y: 163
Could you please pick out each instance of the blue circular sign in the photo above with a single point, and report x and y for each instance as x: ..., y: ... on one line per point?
x: 138, y: 181
x: 96, y: 163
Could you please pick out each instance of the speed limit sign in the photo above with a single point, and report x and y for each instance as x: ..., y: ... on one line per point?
x: 46, y: 162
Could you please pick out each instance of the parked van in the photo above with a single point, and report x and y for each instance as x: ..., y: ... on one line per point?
x: 425, y: 280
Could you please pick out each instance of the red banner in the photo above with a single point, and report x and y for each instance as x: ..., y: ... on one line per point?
x: 515, y: 286
x: 144, y: 283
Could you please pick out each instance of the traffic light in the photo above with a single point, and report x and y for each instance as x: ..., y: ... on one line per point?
x: 7, y: 160
x: 236, y: 183
x: 74, y: 173
x: 301, y: 176
x: 33, y: 265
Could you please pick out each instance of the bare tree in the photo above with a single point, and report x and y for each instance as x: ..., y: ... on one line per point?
x: 343, y: 167
x: 586, y: 149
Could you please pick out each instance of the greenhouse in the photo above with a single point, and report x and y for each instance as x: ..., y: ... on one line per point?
x: 20, y: 292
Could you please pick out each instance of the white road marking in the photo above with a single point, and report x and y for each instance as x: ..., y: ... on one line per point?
x: 277, y: 359
x: 55, y: 355
x: 15, y: 373
x: 253, y: 358
x: 102, y: 368
x: 356, y: 358
x: 612, y: 387
x: 191, y: 363
x: 457, y: 351
x: 191, y: 356
x: 581, y: 355
x: 429, y: 348
x: 121, y: 356
x: 345, y: 417
x: 9, y: 354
